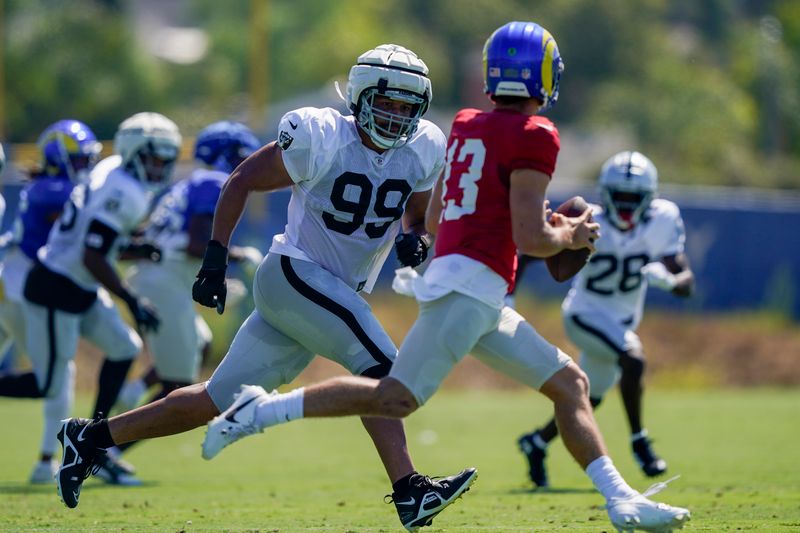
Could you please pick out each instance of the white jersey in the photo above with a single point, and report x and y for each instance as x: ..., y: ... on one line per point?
x: 347, y: 200
x: 612, y: 281
x: 111, y: 196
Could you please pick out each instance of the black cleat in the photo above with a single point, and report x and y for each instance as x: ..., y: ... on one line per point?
x: 115, y: 471
x: 426, y: 497
x: 79, y: 459
x: 651, y: 464
x: 535, y: 456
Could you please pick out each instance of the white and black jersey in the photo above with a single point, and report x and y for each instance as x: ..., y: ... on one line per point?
x: 347, y: 200
x: 612, y: 281
x: 110, y: 204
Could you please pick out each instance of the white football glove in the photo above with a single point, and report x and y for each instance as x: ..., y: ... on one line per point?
x: 658, y: 276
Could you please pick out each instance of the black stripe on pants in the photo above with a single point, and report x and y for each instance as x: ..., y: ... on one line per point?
x: 337, y: 309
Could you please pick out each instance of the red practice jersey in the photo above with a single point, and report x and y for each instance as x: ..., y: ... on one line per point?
x: 483, y: 149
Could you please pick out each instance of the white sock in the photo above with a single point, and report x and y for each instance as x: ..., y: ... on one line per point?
x: 607, y: 480
x: 132, y: 391
x: 280, y: 408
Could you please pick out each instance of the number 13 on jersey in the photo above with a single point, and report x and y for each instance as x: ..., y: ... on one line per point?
x: 465, y: 176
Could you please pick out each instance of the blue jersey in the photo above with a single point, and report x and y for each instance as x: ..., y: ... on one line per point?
x: 40, y: 203
x: 195, y: 195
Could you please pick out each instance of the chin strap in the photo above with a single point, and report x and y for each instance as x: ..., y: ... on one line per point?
x: 339, y: 90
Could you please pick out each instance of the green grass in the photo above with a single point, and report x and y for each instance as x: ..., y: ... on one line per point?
x: 736, y: 451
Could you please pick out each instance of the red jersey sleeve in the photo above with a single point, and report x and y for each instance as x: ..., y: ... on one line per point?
x: 537, y: 147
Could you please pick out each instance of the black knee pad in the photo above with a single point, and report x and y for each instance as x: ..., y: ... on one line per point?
x: 378, y: 371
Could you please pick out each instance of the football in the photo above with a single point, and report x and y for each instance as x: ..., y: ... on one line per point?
x: 567, y: 263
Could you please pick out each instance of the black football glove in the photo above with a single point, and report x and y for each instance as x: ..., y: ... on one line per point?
x: 143, y: 313
x: 209, y: 289
x: 143, y: 250
x: 412, y: 249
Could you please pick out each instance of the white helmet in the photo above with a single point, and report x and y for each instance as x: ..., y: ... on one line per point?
x: 396, y: 72
x: 628, y: 182
x: 149, y: 144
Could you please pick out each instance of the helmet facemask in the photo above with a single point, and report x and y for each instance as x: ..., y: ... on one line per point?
x: 154, y: 164
x: 388, y: 129
x: 395, y: 73
x: 149, y: 144
x: 626, y: 208
x: 628, y: 183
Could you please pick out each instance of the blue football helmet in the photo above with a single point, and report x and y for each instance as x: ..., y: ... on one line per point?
x: 68, y: 148
x: 223, y: 145
x: 522, y: 59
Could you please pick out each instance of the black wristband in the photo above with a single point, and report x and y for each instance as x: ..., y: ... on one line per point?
x: 215, y: 256
x: 129, y: 299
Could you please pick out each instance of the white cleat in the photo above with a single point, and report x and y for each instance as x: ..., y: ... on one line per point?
x: 44, y: 472
x: 641, y: 514
x: 236, y: 422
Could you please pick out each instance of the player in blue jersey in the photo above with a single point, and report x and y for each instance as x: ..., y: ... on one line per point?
x: 68, y: 150
x: 180, y: 226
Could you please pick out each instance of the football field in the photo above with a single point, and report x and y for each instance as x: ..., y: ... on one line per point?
x: 737, y: 453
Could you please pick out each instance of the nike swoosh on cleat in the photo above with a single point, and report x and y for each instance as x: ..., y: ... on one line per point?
x: 232, y: 416
x: 411, y: 501
x: 81, y: 438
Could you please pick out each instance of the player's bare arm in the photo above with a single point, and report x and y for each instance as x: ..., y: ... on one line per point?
x: 414, y: 215
x: 532, y: 232
x: 98, y: 265
x: 434, y: 212
x: 263, y: 171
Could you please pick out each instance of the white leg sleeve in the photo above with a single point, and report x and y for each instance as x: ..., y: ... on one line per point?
x: 57, y: 409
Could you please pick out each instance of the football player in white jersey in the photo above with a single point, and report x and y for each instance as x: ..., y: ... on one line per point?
x: 68, y: 151
x: 180, y: 226
x: 66, y: 294
x: 641, y: 244
x: 355, y: 181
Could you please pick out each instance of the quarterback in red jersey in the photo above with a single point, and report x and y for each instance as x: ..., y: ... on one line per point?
x: 483, y: 151
x: 489, y: 203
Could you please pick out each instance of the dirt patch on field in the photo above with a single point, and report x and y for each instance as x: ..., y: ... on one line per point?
x: 682, y: 350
